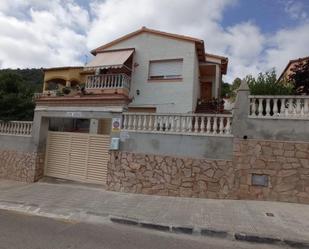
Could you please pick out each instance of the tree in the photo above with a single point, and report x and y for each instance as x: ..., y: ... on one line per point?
x: 266, y: 84
x: 16, y: 98
x: 236, y: 84
x: 300, y: 77
x: 234, y: 87
x: 225, y: 90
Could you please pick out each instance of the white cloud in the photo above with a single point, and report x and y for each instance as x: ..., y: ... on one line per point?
x: 35, y: 33
x: 51, y: 33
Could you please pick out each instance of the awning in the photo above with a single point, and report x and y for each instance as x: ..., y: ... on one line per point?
x: 110, y: 59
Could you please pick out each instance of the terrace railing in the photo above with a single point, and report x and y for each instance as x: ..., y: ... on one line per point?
x: 279, y: 107
x: 107, y: 81
x: 186, y: 124
x: 18, y: 128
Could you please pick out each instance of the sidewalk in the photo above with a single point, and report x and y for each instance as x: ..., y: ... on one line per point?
x: 289, y: 221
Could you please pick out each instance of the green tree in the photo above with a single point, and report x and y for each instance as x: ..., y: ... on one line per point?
x: 300, y: 77
x: 236, y: 83
x: 266, y: 84
x: 234, y: 87
x: 226, y: 90
x: 16, y: 98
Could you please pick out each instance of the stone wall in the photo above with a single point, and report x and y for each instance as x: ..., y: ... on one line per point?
x: 167, y: 175
x: 284, y: 166
x: 21, y: 166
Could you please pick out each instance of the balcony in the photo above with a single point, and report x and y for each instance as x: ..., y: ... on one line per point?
x: 103, y: 89
x: 114, y: 82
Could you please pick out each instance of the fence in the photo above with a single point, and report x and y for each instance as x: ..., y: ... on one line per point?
x: 106, y: 81
x: 186, y: 124
x: 285, y: 107
x: 18, y: 128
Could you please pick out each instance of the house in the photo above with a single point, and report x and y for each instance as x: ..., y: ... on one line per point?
x: 144, y: 71
x: 79, y: 114
x: 131, y: 120
x: 287, y: 70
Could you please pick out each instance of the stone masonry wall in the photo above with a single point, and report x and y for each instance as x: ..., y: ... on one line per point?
x: 21, y: 166
x: 285, y: 166
x: 167, y: 175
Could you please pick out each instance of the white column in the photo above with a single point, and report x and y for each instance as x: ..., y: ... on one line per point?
x: 68, y: 83
x: 217, y: 82
x: 94, y: 126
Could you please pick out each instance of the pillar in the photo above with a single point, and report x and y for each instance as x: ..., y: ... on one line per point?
x: 241, y: 111
x: 94, y: 126
x: 217, y: 82
x: 68, y: 83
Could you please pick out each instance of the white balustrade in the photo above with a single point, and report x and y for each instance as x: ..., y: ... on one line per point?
x: 18, y: 128
x: 107, y: 81
x: 51, y: 93
x: 186, y: 124
x: 279, y: 107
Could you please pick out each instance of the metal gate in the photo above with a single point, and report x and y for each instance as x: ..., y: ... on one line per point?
x: 77, y: 156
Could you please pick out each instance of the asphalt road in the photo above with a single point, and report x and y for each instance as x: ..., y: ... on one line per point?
x: 19, y: 231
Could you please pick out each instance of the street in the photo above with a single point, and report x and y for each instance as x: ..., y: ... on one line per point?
x: 19, y: 231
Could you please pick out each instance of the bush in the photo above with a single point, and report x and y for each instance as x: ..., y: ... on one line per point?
x: 66, y: 90
x: 266, y: 84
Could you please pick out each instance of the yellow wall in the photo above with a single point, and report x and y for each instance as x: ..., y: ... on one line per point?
x: 67, y: 74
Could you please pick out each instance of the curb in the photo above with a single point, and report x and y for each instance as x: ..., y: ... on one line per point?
x: 253, y: 238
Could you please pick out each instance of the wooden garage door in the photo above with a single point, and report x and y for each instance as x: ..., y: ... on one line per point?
x: 77, y: 156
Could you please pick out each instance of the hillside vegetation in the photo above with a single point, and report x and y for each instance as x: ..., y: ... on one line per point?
x: 17, y: 87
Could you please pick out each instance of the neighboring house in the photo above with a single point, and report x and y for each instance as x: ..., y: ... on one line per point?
x: 287, y: 70
x: 144, y: 71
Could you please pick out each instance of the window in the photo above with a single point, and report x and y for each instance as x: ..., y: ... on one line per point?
x: 165, y: 69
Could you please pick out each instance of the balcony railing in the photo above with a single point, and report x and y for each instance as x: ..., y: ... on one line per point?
x: 186, y: 124
x: 17, y: 128
x: 279, y: 107
x: 108, y: 81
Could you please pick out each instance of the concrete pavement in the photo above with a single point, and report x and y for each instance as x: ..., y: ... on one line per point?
x: 18, y: 231
x: 78, y: 202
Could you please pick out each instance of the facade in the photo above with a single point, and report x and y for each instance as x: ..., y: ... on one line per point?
x: 161, y: 72
x: 128, y: 121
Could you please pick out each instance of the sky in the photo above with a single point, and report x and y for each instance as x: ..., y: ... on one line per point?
x: 256, y: 35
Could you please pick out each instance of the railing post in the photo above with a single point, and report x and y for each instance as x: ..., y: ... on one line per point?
x: 155, y: 126
x: 298, y: 107
x: 150, y: 128
x: 260, y: 108
x: 208, y: 126
x: 306, y: 106
x: 183, y: 124
x: 215, y: 126
x: 196, y: 119
x: 228, y: 126
x: 189, y: 124
x: 161, y: 123
x: 139, y: 122
x: 134, y: 122
x: 178, y: 124
x: 202, y: 124
x: 221, y: 127
x: 145, y: 123
x: 275, y: 107
x: 253, y: 107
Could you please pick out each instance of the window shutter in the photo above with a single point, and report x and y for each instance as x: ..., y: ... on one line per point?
x: 165, y: 69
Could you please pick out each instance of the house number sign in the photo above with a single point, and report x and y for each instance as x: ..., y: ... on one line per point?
x: 74, y: 114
